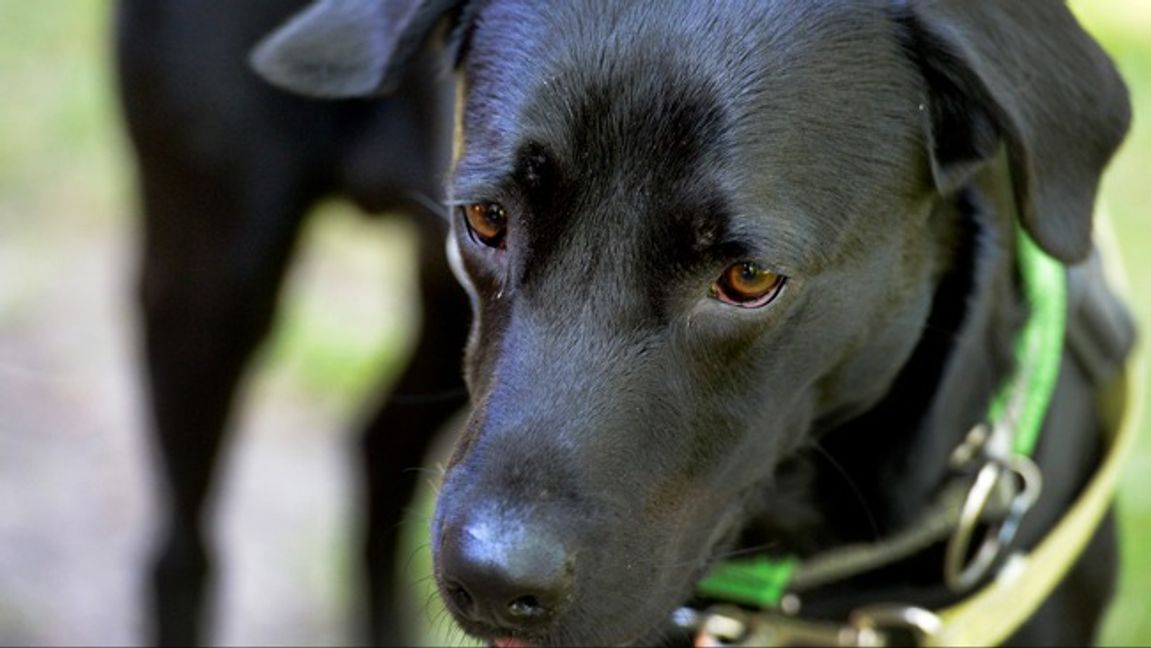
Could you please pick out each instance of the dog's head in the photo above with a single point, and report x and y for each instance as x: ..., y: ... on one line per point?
x: 695, y: 234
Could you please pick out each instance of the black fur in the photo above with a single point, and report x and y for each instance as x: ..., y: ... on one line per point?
x: 627, y: 428
x: 229, y: 167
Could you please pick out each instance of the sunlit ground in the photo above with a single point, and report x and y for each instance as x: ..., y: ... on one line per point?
x: 75, y: 499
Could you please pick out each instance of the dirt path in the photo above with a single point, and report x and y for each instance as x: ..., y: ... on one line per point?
x: 76, y: 510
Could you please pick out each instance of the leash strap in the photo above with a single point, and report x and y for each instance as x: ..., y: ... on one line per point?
x: 1022, y: 402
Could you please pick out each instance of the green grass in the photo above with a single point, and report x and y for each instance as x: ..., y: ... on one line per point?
x: 63, y: 171
x: 340, y: 357
x: 1123, y: 28
x: 59, y: 149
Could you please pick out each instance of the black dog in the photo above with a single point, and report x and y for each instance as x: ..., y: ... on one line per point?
x: 228, y: 169
x: 743, y: 275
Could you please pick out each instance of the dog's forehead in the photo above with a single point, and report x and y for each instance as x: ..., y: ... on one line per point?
x: 805, y: 112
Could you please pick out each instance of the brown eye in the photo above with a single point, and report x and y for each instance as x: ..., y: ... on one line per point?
x: 747, y: 285
x: 487, y: 223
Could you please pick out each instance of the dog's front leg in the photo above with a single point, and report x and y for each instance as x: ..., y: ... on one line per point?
x: 215, y: 251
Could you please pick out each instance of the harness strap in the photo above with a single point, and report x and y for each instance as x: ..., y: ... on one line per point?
x: 852, y: 560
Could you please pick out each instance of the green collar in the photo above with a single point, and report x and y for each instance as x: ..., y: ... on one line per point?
x: 1018, y: 408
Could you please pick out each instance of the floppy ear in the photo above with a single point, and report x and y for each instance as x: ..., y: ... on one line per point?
x: 1025, y: 74
x: 348, y: 48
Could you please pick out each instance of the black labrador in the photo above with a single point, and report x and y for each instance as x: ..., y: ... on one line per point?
x: 742, y: 275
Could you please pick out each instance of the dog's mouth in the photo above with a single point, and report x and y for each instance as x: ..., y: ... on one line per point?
x: 502, y: 637
x: 655, y: 630
x: 651, y: 637
x: 652, y: 632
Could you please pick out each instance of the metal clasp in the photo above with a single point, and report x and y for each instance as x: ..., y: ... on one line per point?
x: 725, y: 625
x: 960, y: 572
x: 871, y: 626
x: 898, y: 623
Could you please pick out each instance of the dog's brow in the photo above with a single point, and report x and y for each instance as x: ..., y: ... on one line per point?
x: 472, y: 181
x: 781, y: 242
x: 536, y: 167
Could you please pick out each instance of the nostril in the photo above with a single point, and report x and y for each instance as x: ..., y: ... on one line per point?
x: 526, y: 607
x: 499, y: 575
x: 460, y: 597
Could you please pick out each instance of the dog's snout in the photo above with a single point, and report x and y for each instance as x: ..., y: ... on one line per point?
x: 509, y: 577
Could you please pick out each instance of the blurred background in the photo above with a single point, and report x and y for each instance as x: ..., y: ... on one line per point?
x: 76, y: 509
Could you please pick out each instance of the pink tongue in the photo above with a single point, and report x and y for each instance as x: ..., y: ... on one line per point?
x: 509, y: 642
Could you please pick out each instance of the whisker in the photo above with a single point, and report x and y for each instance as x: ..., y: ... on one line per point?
x: 745, y: 551
x: 437, y: 207
x: 852, y: 486
x: 413, y: 554
x: 427, y: 398
x: 413, y: 515
x: 436, y: 471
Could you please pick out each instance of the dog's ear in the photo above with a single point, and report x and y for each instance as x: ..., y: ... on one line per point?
x: 348, y: 48
x: 1022, y: 73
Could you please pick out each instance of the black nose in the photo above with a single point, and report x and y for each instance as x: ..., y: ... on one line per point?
x: 506, y: 576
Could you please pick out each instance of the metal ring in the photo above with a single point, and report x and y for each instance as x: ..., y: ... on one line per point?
x: 1031, y: 480
x: 960, y: 576
x: 880, y: 620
